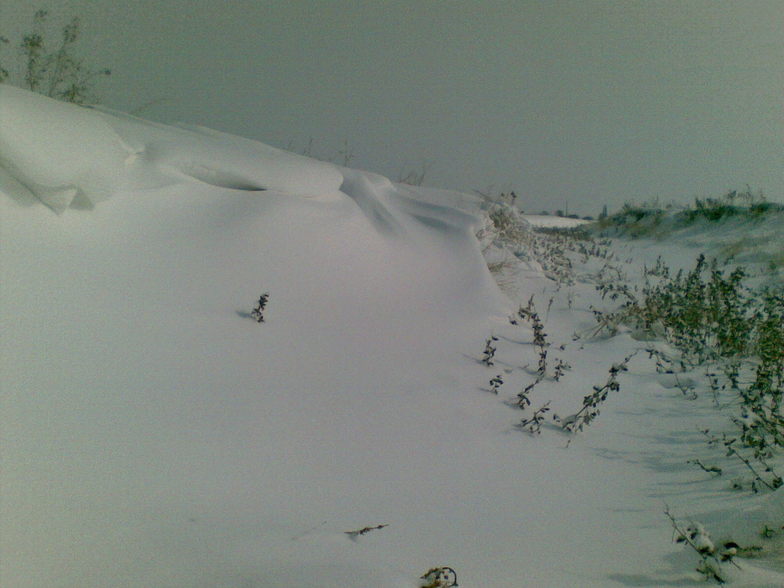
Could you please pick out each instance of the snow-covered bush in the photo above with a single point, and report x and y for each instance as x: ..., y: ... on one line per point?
x: 711, y: 555
x: 708, y: 313
x: 503, y: 235
x: 713, y: 318
x: 443, y: 577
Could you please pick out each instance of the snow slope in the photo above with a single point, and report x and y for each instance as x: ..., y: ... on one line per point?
x: 755, y: 240
x: 155, y: 435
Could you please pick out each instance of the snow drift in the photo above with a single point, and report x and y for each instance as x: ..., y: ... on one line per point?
x: 153, y: 434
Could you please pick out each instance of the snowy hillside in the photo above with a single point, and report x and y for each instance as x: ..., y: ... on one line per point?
x: 155, y: 435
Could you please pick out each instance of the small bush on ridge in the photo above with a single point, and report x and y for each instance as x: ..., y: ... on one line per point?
x: 56, y: 73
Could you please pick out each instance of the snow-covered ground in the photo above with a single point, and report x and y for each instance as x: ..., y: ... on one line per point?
x: 553, y: 222
x: 155, y: 435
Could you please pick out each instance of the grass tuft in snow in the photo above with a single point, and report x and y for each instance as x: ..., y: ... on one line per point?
x: 257, y: 313
x: 592, y: 402
x: 533, y: 424
x: 489, y: 352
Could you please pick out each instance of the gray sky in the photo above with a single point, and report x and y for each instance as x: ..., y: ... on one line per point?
x: 570, y: 103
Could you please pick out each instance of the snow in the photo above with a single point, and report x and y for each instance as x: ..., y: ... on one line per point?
x: 127, y: 153
x: 153, y: 434
x: 752, y: 240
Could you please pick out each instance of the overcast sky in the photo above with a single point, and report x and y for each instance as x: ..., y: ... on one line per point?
x: 570, y: 103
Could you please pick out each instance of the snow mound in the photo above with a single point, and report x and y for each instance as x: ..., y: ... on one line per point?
x: 71, y: 156
x: 208, y: 449
x: 68, y: 156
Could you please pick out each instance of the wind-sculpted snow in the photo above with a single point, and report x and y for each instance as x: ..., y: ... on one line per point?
x: 71, y: 156
x: 68, y: 155
x: 61, y: 153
